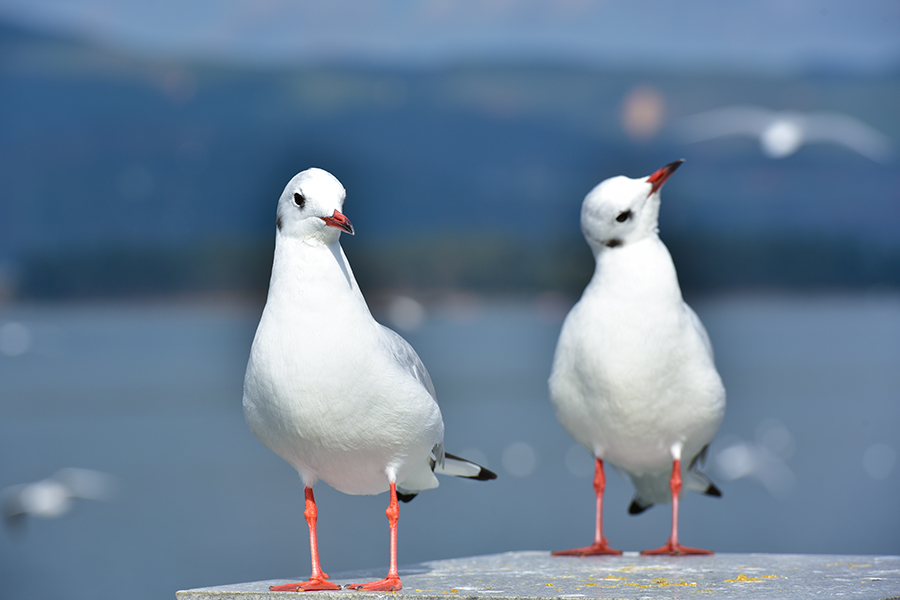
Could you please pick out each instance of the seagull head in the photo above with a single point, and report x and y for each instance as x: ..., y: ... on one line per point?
x: 621, y: 210
x: 310, y: 208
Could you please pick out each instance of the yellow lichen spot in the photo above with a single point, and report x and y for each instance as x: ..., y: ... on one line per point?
x: 769, y: 576
x: 454, y: 591
x: 661, y: 581
x: 589, y: 584
x: 615, y: 577
x: 741, y: 578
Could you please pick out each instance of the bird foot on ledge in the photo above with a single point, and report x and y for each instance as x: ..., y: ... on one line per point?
x: 675, y: 549
x: 311, y: 585
x: 388, y: 584
x: 592, y: 550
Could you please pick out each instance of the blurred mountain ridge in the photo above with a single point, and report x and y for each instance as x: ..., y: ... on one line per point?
x: 123, y: 175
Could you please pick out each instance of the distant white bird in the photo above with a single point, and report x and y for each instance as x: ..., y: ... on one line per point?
x: 749, y: 459
x: 633, y: 377
x: 782, y: 133
x: 52, y: 497
x: 335, y: 394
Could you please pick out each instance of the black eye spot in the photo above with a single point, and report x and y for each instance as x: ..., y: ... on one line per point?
x: 299, y: 200
x: 624, y: 216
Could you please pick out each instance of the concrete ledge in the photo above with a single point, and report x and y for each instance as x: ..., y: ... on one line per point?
x: 527, y: 575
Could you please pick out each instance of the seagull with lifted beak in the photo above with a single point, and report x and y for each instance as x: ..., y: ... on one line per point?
x: 633, y: 377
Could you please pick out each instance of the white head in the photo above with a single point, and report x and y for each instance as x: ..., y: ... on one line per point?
x: 621, y: 210
x: 310, y: 208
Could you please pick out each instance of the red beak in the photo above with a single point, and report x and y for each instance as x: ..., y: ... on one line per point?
x: 340, y: 221
x: 659, y: 178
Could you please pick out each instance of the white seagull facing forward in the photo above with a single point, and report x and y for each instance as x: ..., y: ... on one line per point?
x: 633, y: 377
x: 782, y: 133
x: 327, y: 388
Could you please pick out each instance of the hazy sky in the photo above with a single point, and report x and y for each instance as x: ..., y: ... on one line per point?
x: 763, y: 34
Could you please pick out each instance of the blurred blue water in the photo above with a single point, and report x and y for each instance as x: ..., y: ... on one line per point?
x: 152, y: 395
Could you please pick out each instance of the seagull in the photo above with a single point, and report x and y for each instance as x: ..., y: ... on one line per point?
x: 51, y: 498
x: 633, y: 378
x: 782, y: 133
x: 338, y: 396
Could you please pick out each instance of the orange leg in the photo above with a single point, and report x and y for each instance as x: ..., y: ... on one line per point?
x: 672, y: 547
x: 318, y: 579
x: 392, y: 581
x: 600, y: 545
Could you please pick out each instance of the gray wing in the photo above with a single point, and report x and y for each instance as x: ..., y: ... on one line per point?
x: 732, y: 120
x: 849, y: 131
x: 408, y: 359
x: 698, y: 327
x: 438, y: 461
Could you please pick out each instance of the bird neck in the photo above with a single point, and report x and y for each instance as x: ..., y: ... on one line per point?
x: 637, y: 270
x: 305, y: 271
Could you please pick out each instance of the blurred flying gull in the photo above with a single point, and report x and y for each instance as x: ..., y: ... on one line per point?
x: 52, y: 497
x: 739, y: 459
x: 763, y: 459
x: 782, y: 133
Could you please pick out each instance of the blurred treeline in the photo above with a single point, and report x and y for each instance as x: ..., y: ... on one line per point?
x: 122, y: 176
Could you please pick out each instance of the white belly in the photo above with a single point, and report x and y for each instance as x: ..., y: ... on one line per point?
x: 348, y: 417
x: 630, y: 398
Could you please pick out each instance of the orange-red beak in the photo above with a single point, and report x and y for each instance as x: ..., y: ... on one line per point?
x: 659, y: 178
x: 340, y: 221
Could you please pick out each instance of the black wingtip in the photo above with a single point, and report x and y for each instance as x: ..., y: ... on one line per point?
x: 483, y: 475
x: 406, y: 497
x: 637, y: 507
x: 712, y: 490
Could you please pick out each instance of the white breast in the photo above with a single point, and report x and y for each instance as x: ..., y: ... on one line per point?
x: 323, y: 390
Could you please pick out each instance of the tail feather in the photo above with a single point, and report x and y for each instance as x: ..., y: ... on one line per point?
x: 460, y: 467
x: 423, y: 478
x: 694, y: 480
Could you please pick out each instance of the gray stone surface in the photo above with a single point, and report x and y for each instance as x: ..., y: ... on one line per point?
x: 525, y: 575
